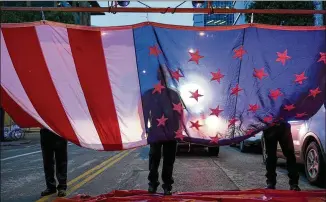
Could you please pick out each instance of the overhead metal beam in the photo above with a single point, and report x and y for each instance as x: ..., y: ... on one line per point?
x: 167, y: 10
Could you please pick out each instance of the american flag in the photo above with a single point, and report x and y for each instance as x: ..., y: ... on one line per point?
x: 94, y: 85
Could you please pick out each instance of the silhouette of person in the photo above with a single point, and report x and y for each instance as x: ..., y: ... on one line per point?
x: 155, y: 105
x: 55, y: 155
x: 280, y: 133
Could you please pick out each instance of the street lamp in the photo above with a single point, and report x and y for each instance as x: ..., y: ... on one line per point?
x: 123, y: 3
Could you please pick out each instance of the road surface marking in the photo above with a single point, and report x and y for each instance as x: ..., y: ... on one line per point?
x: 13, y: 157
x: 89, y: 178
x: 95, y: 168
x: 112, y: 158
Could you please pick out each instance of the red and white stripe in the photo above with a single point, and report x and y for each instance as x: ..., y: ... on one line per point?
x: 80, y: 83
x: 13, y: 89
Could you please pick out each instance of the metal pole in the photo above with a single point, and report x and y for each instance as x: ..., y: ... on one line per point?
x: 318, y: 17
x: 167, y: 10
x: 84, y: 15
x: 42, y: 14
x: 2, y: 125
x: 209, y: 4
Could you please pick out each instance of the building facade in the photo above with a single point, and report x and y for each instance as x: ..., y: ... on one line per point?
x: 319, y: 17
x: 240, y: 18
x: 202, y: 20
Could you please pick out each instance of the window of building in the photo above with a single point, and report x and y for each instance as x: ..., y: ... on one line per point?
x: 216, y: 19
x: 219, y: 19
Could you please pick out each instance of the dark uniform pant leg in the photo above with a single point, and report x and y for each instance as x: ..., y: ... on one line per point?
x: 169, y: 153
x: 270, y: 136
x: 48, y: 159
x: 286, y: 143
x: 154, y: 163
x: 61, y: 160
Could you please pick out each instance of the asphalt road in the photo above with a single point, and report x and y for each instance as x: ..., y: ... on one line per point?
x: 92, y: 172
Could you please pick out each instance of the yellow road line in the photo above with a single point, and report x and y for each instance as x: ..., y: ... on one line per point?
x: 95, y: 168
x: 46, y: 198
x: 89, y: 178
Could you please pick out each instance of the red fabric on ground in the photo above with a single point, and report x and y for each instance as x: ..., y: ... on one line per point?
x: 225, y: 196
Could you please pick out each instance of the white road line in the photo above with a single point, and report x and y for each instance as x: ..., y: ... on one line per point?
x: 13, y: 157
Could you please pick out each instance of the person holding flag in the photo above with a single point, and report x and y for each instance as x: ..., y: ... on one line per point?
x: 54, y: 152
x: 162, y: 109
x: 281, y: 133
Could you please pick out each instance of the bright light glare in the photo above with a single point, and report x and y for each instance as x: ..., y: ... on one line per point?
x: 104, y: 33
x: 214, y: 123
x: 144, y: 71
x: 201, y: 33
x: 293, y: 122
x: 202, y: 84
x: 185, y: 94
x: 149, y: 124
x: 296, y: 142
x: 191, y: 50
x: 303, y: 129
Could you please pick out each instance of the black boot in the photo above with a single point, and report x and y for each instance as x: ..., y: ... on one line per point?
x: 152, y: 189
x: 270, y: 186
x: 48, y: 192
x: 167, y: 192
x: 295, y: 187
x: 62, y: 193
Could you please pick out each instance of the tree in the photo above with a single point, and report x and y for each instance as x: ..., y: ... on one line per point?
x: 282, y: 19
x: 31, y: 16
